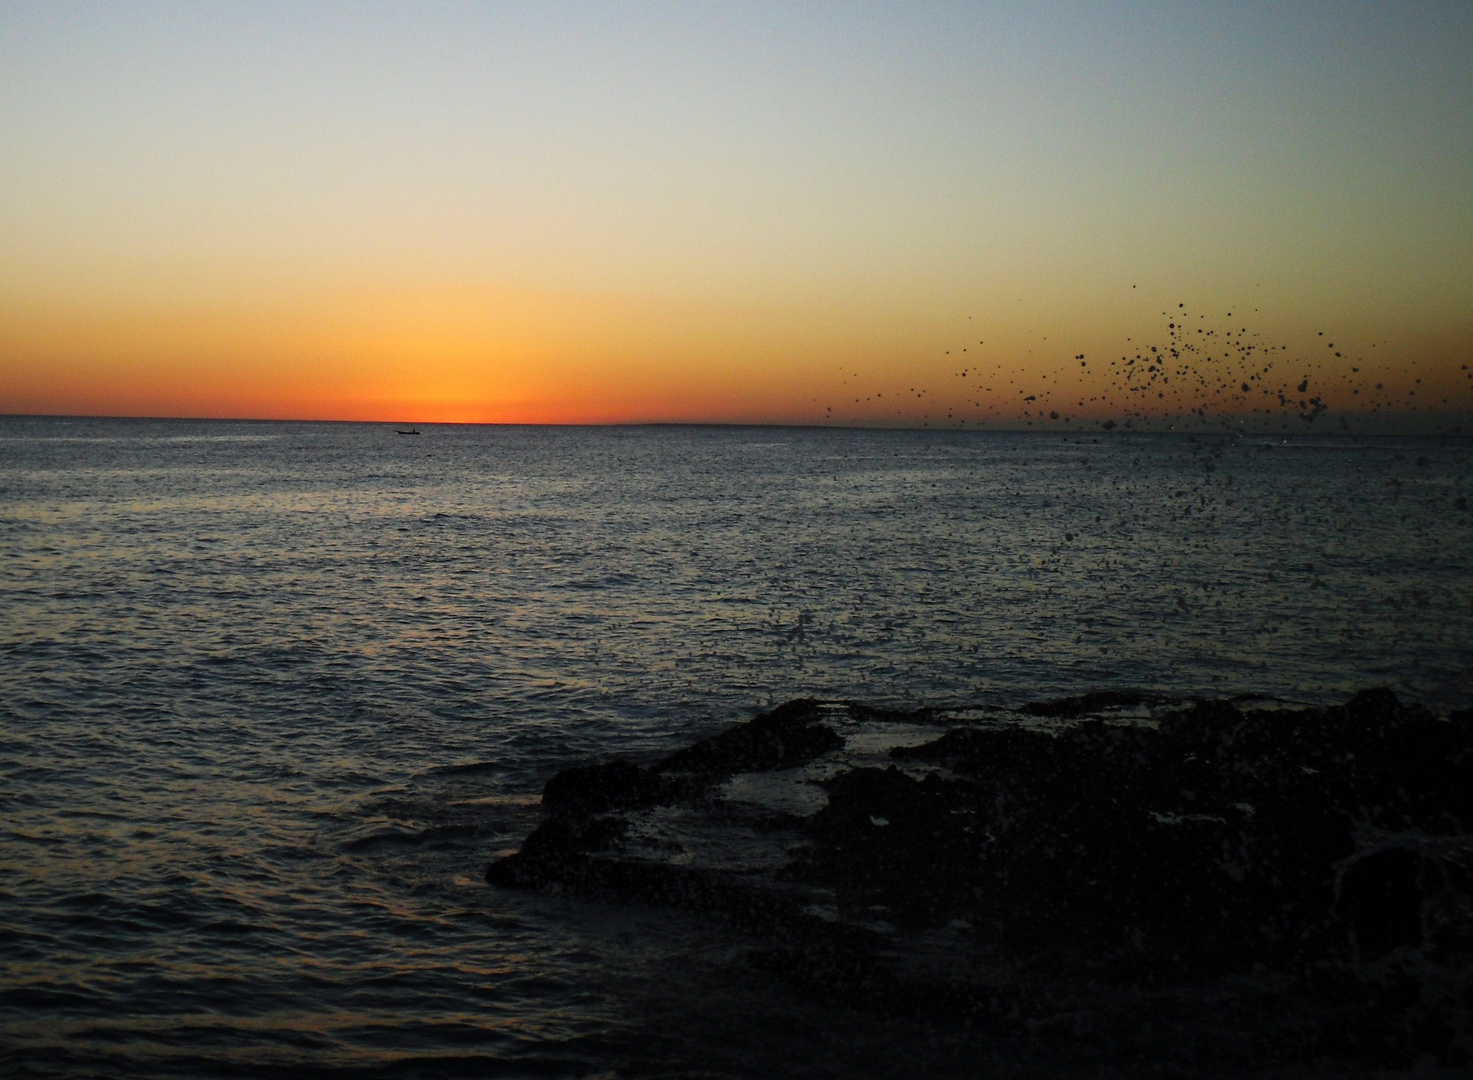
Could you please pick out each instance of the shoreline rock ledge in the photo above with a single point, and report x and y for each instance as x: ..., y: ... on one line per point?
x: 1307, y: 871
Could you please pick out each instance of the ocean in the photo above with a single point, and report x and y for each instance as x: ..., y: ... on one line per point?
x: 273, y: 694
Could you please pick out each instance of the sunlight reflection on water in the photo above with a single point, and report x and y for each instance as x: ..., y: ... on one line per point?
x: 241, y: 660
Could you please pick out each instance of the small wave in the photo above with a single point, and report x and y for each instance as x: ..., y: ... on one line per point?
x: 35, y: 998
x: 398, y: 836
x: 470, y: 768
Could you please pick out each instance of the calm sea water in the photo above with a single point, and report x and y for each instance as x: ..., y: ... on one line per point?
x: 271, y: 695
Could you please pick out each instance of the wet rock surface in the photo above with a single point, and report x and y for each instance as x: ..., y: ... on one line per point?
x: 1304, y: 875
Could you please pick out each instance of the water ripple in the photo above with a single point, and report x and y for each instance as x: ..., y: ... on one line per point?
x: 272, y: 694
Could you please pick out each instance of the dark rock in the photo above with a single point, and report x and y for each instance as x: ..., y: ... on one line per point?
x: 1380, y: 900
x: 789, y: 735
x: 556, y: 851
x: 1318, y: 843
x: 889, y: 841
x: 617, y: 784
x: 1208, y: 845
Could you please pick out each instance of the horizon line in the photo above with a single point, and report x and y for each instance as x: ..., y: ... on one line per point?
x: 1385, y: 424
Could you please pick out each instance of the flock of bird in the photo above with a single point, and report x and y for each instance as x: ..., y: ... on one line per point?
x: 1201, y: 371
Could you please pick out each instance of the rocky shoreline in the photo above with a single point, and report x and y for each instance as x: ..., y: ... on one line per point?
x: 1304, y: 874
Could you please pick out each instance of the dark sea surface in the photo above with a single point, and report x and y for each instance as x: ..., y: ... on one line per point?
x: 272, y: 695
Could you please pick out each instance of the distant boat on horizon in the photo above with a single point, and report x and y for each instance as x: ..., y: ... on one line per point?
x: 410, y: 431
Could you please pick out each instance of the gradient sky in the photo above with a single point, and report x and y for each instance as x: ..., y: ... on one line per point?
x: 768, y: 212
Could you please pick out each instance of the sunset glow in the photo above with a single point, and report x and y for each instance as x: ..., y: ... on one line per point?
x: 574, y: 214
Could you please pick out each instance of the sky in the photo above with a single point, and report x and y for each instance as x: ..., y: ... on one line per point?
x: 746, y: 212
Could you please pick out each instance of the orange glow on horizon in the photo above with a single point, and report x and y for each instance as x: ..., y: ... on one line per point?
x: 480, y: 354
x: 452, y: 354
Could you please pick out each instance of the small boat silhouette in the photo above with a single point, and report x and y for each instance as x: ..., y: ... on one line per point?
x: 410, y: 431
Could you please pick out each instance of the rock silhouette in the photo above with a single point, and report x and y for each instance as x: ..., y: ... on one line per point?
x: 1107, y: 839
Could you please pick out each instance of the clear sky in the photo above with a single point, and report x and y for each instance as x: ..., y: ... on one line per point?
x: 770, y: 212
